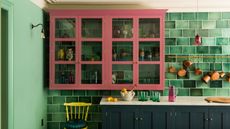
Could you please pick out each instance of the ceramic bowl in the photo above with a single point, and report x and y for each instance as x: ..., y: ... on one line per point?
x: 127, y: 96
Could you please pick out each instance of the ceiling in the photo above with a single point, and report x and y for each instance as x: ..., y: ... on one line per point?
x: 171, y: 5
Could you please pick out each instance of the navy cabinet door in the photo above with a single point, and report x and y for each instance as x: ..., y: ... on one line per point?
x: 153, y: 117
x: 219, y: 118
x: 120, y: 117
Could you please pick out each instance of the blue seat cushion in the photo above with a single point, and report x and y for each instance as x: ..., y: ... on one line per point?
x: 75, y: 124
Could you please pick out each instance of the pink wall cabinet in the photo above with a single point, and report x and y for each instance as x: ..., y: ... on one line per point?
x: 107, y: 49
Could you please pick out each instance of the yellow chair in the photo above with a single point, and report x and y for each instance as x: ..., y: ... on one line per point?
x: 76, y: 115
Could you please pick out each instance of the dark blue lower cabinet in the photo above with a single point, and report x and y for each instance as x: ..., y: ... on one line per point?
x: 165, y: 117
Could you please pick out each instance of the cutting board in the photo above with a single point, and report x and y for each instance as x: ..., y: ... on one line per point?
x: 218, y: 99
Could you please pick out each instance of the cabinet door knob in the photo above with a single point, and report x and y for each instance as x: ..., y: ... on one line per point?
x: 206, y: 119
x: 211, y: 119
x: 141, y: 118
x: 136, y: 118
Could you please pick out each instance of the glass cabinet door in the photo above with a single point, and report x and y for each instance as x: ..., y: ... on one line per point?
x: 122, y: 51
x: 91, y: 28
x: 91, y: 51
x: 91, y: 74
x: 65, y: 28
x: 65, y: 73
x: 122, y: 28
x: 65, y: 51
x: 149, y: 28
x: 149, y: 74
x: 122, y: 74
x: 149, y: 51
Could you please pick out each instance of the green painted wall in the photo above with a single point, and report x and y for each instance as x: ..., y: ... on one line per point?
x: 29, y: 92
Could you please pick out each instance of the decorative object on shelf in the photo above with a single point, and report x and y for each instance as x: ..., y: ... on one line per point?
x: 172, y: 94
x: 142, y: 54
x: 62, y: 81
x: 155, y: 96
x: 61, y: 54
x: 71, y: 77
x: 198, y: 39
x: 114, y: 78
x: 149, y: 55
x: 116, y: 32
x: 42, y: 30
x: 69, y: 54
x: 114, y: 55
x: 143, y: 96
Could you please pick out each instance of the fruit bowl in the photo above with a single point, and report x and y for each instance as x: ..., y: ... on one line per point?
x: 127, y: 95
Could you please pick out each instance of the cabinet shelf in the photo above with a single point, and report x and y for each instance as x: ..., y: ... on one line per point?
x: 106, y: 49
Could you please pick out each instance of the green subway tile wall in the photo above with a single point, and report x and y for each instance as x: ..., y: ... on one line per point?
x: 180, y: 29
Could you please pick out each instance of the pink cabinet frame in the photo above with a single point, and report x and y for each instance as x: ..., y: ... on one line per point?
x: 106, y: 16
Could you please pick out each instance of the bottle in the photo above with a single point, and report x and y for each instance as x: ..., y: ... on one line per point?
x: 149, y: 56
x: 95, y: 77
x: 172, y: 94
x: 114, y: 55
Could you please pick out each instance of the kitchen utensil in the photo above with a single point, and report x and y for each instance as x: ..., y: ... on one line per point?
x: 222, y: 74
x: 187, y: 63
x: 172, y: 69
x: 215, y: 75
x: 172, y: 94
x: 206, y: 78
x: 181, y: 72
x: 198, y: 71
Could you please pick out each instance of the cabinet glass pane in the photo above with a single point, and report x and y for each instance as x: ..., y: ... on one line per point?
x: 91, y: 51
x: 122, y: 74
x: 149, y: 73
x: 149, y: 28
x: 122, y: 51
x: 65, y: 28
x: 91, y: 74
x: 149, y: 51
x: 122, y: 28
x: 65, y: 51
x: 91, y: 28
x: 64, y: 73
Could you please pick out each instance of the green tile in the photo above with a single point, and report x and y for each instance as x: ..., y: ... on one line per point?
x: 167, y: 33
x: 167, y: 17
x: 49, y: 117
x: 183, y: 41
x: 175, y: 16
x: 209, y: 58
x: 208, y: 41
x: 189, y: 83
x: 53, y: 93
x: 204, y: 66
x: 196, y: 92
x: 66, y: 93
x: 80, y: 92
x: 49, y: 100
x: 71, y: 99
x: 226, y: 84
x: 170, y: 24
x: 192, y: 40
x: 214, y: 15
x: 201, y: 84
x: 218, y: 66
x: 62, y: 108
x: 85, y: 99
x: 225, y: 15
x: 189, y: 33
x: 202, y: 16
x: 53, y: 125
x: 226, y: 32
x: 166, y: 83
x: 189, y: 16
x: 226, y: 67
x: 176, y: 83
x: 175, y: 33
x: 216, y: 84
x: 222, y: 41
x: 195, y: 58
x: 165, y: 92
x: 167, y: 50
x: 170, y: 41
x: 222, y: 92
x: 170, y: 76
x: 58, y: 100
x: 182, y: 24
x: 209, y: 92
x: 202, y: 49
x: 52, y: 108
x: 170, y: 58
x: 105, y: 93
x: 214, y: 32
x: 189, y: 50
x: 115, y: 93
x: 59, y: 117
x: 215, y: 49
x: 195, y: 24
x: 175, y: 49
x: 202, y: 32
x: 96, y: 100
x: 92, y: 93
x: 222, y: 24
x: 209, y: 25
x: 193, y: 76
x: 181, y: 58
x: 183, y: 92
x: 225, y: 49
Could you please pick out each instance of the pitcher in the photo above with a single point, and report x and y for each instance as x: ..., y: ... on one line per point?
x: 172, y: 94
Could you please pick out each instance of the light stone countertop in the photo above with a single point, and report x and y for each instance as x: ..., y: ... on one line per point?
x: 180, y: 101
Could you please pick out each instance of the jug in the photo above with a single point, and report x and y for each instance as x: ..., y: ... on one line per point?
x: 172, y: 94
